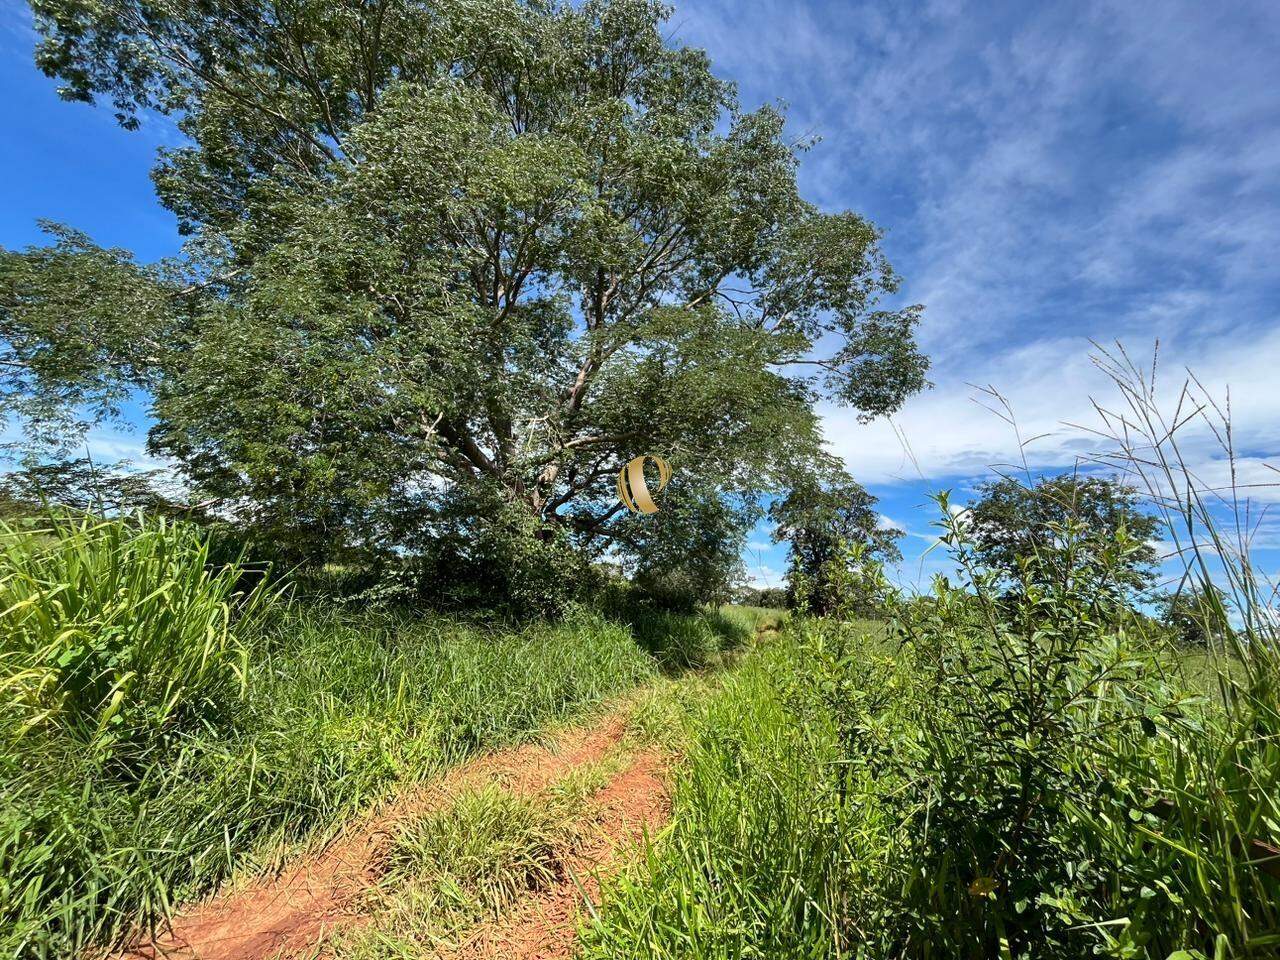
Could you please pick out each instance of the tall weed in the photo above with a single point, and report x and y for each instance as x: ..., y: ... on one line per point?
x: 163, y: 727
x: 114, y: 634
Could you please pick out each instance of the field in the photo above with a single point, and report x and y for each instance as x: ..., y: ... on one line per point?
x: 636, y: 783
x: 165, y: 728
x: 846, y: 796
x: 493, y: 491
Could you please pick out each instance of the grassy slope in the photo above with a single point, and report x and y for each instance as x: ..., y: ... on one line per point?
x: 120, y: 798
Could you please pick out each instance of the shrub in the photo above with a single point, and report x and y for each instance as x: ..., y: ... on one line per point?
x: 1030, y: 689
x: 494, y: 554
x: 113, y: 634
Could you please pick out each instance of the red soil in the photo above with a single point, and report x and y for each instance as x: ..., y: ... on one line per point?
x: 291, y: 913
x: 543, y: 927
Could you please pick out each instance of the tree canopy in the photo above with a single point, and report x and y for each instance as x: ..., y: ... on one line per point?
x: 442, y: 252
x: 833, y: 528
x: 1053, y: 527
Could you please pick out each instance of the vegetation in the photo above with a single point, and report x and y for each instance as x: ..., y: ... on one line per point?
x: 449, y: 265
x: 453, y: 868
x: 832, y: 530
x: 450, y: 268
x: 165, y: 722
x: 1005, y: 767
x: 1196, y: 615
x: 970, y: 785
x: 1059, y: 525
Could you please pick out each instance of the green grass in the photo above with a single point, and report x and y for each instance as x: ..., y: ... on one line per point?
x: 453, y: 868
x: 471, y: 860
x: 249, y: 733
x: 116, y: 637
x: 767, y: 847
x: 842, y: 796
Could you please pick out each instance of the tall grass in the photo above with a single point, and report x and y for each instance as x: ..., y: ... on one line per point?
x: 162, y: 727
x: 778, y: 844
x: 114, y: 635
x: 698, y: 637
x: 1213, y: 851
x: 1025, y: 772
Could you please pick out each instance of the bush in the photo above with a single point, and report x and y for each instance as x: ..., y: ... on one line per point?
x: 1024, y: 774
x: 494, y: 554
x: 114, y: 634
x: 243, y: 722
x: 1030, y: 692
x: 672, y: 592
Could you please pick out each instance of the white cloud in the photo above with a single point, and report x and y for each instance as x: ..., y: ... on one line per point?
x: 1048, y: 175
x: 957, y: 430
x: 765, y: 576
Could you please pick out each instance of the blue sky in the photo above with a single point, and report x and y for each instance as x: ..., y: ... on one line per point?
x: 1047, y: 174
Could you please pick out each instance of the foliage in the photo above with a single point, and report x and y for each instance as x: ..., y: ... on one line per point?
x: 1002, y: 784
x: 1196, y: 615
x: 115, y: 636
x: 689, y: 553
x: 1211, y: 852
x: 1062, y: 525
x: 78, y: 485
x: 763, y: 596
x: 79, y: 327
x: 450, y: 246
x: 1030, y: 691
x: 677, y: 638
x: 485, y: 550
x: 834, y: 531
x: 1015, y: 768
x: 183, y: 737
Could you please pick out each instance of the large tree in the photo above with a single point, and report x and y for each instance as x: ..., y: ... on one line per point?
x: 1058, y: 527
x: 445, y: 251
x: 691, y: 551
x: 835, y: 533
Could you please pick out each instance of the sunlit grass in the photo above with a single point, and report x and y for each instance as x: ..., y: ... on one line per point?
x: 161, y: 731
x: 467, y: 863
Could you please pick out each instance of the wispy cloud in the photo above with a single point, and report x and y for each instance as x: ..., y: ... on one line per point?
x: 765, y: 576
x: 17, y: 29
x: 1049, y: 175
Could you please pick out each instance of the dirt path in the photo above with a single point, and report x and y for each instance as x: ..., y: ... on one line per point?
x: 292, y: 913
x: 543, y: 927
